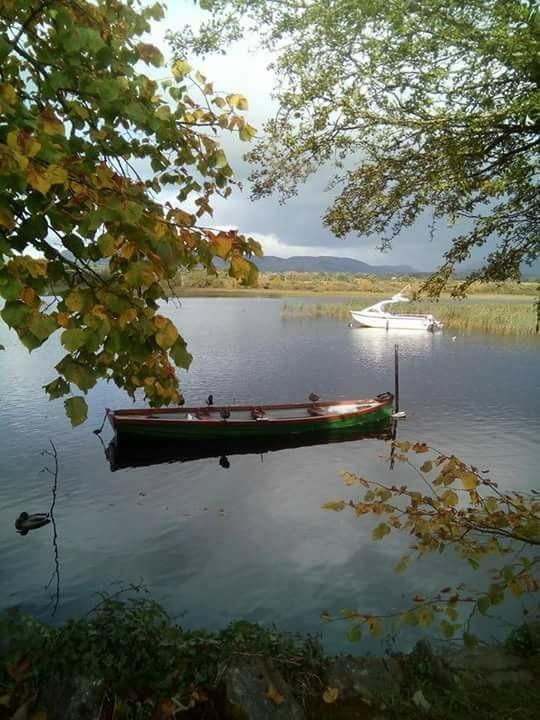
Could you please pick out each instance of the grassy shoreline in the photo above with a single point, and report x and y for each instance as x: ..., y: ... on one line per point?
x: 131, y: 661
x: 198, y: 282
x: 502, y: 318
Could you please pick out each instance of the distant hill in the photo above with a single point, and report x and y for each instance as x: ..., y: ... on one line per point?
x: 330, y: 264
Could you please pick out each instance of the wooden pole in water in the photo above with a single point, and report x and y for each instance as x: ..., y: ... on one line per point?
x: 396, y: 378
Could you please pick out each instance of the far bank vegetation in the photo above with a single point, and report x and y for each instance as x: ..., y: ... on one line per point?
x: 332, y: 283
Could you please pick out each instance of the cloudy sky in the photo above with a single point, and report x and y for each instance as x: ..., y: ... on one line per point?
x: 295, y: 228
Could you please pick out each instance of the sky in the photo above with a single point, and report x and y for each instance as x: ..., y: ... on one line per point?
x: 295, y: 228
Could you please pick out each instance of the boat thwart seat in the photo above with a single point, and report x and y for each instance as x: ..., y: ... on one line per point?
x: 318, y: 411
x: 258, y: 414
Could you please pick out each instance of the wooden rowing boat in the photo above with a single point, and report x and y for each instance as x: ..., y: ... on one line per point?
x: 250, y: 421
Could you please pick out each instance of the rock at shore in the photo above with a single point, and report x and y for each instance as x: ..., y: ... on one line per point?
x: 256, y: 690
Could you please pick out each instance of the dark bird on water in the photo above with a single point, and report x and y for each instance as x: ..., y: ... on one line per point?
x: 224, y: 462
x: 313, y: 397
x: 26, y: 522
x: 225, y: 413
x: 210, y: 400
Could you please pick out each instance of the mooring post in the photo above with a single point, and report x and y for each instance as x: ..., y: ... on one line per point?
x: 396, y: 378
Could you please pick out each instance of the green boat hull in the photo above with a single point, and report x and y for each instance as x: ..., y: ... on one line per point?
x: 235, y: 430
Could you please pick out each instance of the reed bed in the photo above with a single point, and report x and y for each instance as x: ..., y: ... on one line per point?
x: 512, y: 318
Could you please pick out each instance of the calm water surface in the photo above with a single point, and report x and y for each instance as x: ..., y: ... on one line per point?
x: 251, y: 541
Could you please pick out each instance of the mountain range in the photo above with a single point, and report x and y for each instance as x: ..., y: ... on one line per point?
x: 330, y: 264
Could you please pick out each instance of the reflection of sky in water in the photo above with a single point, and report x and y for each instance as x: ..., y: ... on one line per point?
x: 272, y: 554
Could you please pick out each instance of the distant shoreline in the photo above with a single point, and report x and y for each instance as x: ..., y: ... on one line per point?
x: 361, y: 294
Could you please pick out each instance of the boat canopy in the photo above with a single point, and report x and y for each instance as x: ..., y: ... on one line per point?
x: 379, y: 307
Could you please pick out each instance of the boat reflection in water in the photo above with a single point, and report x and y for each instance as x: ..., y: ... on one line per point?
x: 127, y: 454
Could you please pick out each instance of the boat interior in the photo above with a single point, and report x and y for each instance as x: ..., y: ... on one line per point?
x: 245, y: 414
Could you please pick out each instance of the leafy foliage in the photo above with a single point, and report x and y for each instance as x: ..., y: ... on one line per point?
x: 431, y: 106
x: 462, y: 509
x: 87, y: 144
x: 143, y: 658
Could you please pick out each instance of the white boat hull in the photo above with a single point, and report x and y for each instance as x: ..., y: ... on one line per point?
x: 388, y: 321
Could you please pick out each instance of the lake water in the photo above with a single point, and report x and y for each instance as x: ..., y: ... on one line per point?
x: 251, y: 541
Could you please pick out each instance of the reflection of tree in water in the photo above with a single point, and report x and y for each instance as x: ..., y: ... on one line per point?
x: 55, y: 577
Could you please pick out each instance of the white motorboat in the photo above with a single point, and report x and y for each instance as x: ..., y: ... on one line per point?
x: 376, y: 316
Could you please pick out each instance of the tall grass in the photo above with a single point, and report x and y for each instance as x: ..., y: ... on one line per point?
x: 513, y: 318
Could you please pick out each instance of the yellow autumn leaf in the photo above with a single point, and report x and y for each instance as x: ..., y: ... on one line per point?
x: 63, y: 319
x: 50, y: 124
x: 37, y: 268
x: 516, y: 586
x: 127, y: 317
x: 380, y: 531
x: 126, y: 250
x: 180, y: 69
x: 23, y: 142
x: 167, y: 336
x: 450, y: 498
x: 469, y: 480
x: 234, y: 99
x: 74, y: 301
x: 56, y: 175
x: 491, y: 504
x: 221, y: 245
x: 330, y: 695
x: 374, y: 626
x: 274, y: 695
x: 28, y: 296
x: 8, y: 93
x: 37, y: 178
x: 332, y: 505
x: 425, y: 615
x: 100, y: 312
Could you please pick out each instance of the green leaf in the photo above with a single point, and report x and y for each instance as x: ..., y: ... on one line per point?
x: 73, y: 340
x: 491, y: 504
x: 57, y: 388
x: 106, y: 245
x: 74, y: 301
x: 354, y: 633
x: 427, y: 466
x: 402, y: 564
x: 380, y: 531
x: 42, y: 325
x: 77, y: 373
x: 12, y: 289
x: 448, y: 629
x: 483, y: 603
x: 425, y: 615
x: 469, y: 640
x: 76, y: 410
x: 219, y: 160
x: 28, y: 339
x: 15, y: 313
x: 180, y: 355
